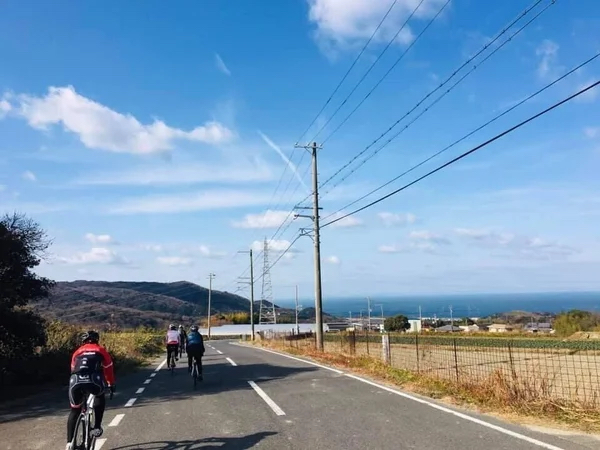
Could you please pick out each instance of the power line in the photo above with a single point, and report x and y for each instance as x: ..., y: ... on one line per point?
x: 350, y: 69
x: 391, y: 41
x: 489, y: 122
x: 463, y: 155
x: 485, y: 47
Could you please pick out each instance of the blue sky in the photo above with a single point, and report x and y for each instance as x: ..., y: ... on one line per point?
x: 148, y: 140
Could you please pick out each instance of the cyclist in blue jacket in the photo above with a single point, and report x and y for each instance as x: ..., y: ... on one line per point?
x: 195, y: 349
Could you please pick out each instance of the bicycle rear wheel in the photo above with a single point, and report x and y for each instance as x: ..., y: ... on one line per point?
x: 79, y: 437
x: 195, y: 374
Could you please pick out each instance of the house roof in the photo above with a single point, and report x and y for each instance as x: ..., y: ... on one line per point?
x: 500, y: 325
x: 448, y: 328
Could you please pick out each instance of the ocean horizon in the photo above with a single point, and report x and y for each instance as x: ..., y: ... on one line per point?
x: 463, y: 305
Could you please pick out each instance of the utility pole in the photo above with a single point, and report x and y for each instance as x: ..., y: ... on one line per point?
x: 312, y: 148
x: 297, y: 326
x: 369, y: 311
x: 210, y: 278
x: 251, y: 282
x: 451, y: 319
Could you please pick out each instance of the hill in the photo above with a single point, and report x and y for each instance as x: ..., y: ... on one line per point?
x: 128, y: 304
x: 131, y: 304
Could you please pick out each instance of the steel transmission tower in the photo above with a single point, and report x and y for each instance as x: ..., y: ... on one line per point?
x: 267, y: 307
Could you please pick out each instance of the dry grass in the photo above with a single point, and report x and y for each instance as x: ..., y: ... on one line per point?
x: 499, y: 392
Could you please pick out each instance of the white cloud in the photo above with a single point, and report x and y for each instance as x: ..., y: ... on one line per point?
x: 389, y: 249
x: 268, y: 219
x: 29, y: 176
x: 592, y: 132
x: 425, y: 236
x: 97, y: 255
x: 221, y: 65
x: 152, y: 247
x: 184, y: 174
x: 346, y: 222
x: 2, y: 187
x: 333, y: 260
x: 174, y: 260
x: 189, y: 202
x: 99, y: 238
x: 275, y: 245
x: 206, y: 251
x: 100, y: 127
x: 341, y: 24
x: 516, y: 245
x: 390, y: 219
x: 588, y: 96
x: 547, y: 51
x: 5, y: 107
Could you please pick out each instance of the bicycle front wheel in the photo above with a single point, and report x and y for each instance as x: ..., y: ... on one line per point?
x: 79, y: 437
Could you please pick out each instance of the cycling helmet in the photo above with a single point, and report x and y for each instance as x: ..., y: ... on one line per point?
x: 172, y: 327
x: 194, y: 328
x: 90, y: 337
x: 180, y: 327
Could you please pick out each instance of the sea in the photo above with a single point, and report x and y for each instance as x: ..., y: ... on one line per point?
x: 445, y: 306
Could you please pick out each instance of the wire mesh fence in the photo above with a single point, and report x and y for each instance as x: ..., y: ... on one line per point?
x: 535, y: 368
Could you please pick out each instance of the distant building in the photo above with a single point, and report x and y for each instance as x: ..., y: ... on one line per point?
x: 448, y: 329
x: 540, y: 327
x: 500, y: 328
x: 470, y: 328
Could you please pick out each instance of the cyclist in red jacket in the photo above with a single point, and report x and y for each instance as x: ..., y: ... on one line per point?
x: 91, y: 372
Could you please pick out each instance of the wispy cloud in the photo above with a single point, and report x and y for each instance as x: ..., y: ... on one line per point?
x: 207, y: 252
x: 292, y: 167
x: 190, y: 202
x: 100, y: 127
x: 174, y: 260
x: 548, y: 66
x: 29, y: 176
x: 99, y: 238
x: 97, y: 255
x: 334, y: 260
x: 268, y: 219
x: 221, y: 65
x: 194, y: 173
x: 588, y: 96
x: 592, y: 132
x: 390, y: 219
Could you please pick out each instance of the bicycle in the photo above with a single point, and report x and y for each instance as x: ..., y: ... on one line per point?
x: 85, y: 423
x: 195, y: 372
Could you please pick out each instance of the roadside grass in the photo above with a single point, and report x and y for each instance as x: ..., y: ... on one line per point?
x: 526, y: 399
x: 50, y: 366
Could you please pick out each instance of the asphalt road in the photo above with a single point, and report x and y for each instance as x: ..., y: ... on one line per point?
x: 257, y: 398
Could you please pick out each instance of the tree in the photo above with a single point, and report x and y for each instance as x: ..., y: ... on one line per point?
x: 23, y: 244
x: 575, y: 320
x: 397, y: 323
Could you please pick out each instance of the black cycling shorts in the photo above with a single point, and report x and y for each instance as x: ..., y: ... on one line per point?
x: 80, y: 385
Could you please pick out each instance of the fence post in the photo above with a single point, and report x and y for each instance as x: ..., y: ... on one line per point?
x: 456, y: 360
x: 352, y: 338
x: 417, y: 348
x: 368, y: 353
x: 385, y: 348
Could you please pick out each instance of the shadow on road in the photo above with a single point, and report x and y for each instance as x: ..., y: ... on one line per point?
x: 215, y: 443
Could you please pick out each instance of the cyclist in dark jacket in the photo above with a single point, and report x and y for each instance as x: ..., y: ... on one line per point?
x: 195, y: 349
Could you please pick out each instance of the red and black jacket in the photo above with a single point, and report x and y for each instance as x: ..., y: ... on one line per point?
x: 91, y: 358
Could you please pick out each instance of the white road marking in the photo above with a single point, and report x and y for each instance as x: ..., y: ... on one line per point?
x: 459, y: 414
x: 294, y: 358
x: 99, y: 443
x: 161, y: 365
x: 267, y: 399
x: 140, y: 390
x: 219, y: 352
x: 117, y: 420
x: 148, y: 381
x: 152, y: 375
x: 130, y: 402
x: 422, y: 401
x: 231, y: 361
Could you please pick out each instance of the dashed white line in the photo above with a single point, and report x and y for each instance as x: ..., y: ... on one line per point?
x: 152, y: 375
x: 219, y: 352
x: 130, y: 402
x: 117, y: 420
x: 140, y: 390
x: 231, y: 361
x: 148, y: 381
x: 160, y: 366
x: 267, y: 399
x: 99, y: 443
